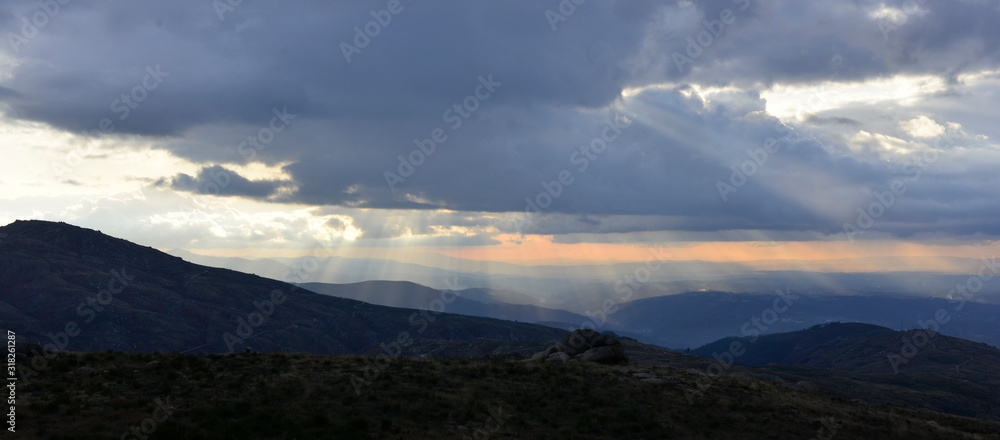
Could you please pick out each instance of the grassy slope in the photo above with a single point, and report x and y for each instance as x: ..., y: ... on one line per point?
x: 298, y: 396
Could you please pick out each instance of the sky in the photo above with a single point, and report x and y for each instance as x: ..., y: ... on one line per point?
x: 520, y: 131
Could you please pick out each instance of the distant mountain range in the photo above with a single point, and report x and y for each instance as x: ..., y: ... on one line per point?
x: 471, y: 301
x: 579, y: 288
x: 50, y: 269
x: 77, y: 289
x: 81, y: 290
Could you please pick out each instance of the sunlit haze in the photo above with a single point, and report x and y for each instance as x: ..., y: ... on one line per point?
x: 820, y: 136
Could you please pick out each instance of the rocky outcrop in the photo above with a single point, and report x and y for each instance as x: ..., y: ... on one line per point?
x: 585, y: 345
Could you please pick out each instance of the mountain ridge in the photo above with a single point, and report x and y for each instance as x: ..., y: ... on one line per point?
x: 866, y: 349
x: 79, y: 289
x: 919, y: 368
x: 697, y: 318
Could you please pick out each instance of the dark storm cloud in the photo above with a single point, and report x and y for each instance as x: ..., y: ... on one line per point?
x: 554, y: 92
x: 217, y: 180
x: 786, y: 41
x: 264, y: 55
x: 7, y: 93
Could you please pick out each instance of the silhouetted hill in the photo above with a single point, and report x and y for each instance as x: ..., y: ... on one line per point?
x: 698, y: 318
x: 82, y: 290
x: 877, y: 364
x: 865, y: 348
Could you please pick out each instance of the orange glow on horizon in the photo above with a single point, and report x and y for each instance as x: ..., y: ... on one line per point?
x: 539, y: 248
x: 534, y: 250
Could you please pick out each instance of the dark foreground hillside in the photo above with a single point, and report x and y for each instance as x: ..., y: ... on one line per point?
x: 297, y: 396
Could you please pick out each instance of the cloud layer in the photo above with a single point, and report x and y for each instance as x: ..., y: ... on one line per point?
x: 607, y: 117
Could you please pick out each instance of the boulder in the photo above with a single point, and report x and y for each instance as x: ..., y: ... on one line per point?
x: 585, y: 345
x: 558, y: 356
x: 580, y: 341
x: 614, y: 354
x: 603, y: 355
x: 538, y: 356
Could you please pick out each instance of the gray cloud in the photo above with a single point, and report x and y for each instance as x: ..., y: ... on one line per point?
x: 217, y: 180
x: 558, y: 90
